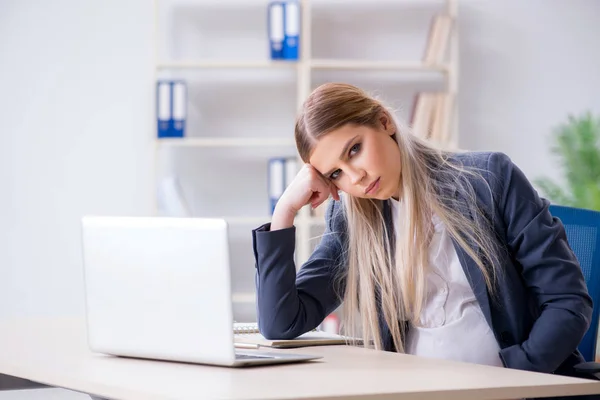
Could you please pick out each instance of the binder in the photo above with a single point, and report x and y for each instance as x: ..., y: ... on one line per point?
x: 291, y: 169
x: 275, y: 18
x: 292, y: 30
x: 171, y: 108
x: 179, y: 97
x: 163, y: 108
x: 276, y: 181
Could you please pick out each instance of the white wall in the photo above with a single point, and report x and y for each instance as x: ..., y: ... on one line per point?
x: 76, y: 90
x: 526, y: 65
x: 76, y: 103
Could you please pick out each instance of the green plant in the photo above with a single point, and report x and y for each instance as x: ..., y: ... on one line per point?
x: 577, y: 147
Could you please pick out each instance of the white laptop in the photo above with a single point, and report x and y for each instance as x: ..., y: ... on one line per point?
x: 160, y: 288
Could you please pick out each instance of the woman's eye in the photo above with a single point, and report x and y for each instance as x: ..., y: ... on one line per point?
x: 355, y: 149
x: 335, y: 174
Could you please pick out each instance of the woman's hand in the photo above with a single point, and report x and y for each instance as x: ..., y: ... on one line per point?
x: 308, y: 187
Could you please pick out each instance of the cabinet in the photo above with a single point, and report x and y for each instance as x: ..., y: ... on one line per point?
x: 241, y: 105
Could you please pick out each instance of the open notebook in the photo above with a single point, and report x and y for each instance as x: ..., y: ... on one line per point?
x: 248, y: 333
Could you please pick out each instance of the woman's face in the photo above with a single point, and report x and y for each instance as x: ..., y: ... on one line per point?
x: 360, y: 161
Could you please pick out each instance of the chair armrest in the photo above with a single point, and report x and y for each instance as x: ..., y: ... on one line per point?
x: 589, y: 368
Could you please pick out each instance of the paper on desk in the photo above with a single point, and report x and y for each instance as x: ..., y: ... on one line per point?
x: 313, y: 338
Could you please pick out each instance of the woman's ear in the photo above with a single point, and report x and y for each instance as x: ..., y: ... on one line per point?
x: 387, y: 123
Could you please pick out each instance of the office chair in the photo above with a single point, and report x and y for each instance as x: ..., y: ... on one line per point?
x: 583, y: 233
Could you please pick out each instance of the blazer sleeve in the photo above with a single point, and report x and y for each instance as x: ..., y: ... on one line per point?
x: 290, y: 303
x: 550, y: 271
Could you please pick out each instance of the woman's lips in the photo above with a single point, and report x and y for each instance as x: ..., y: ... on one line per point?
x: 373, y: 187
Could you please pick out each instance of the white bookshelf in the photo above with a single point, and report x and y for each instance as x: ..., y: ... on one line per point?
x: 397, y: 66
x: 313, y: 64
x: 228, y: 143
x: 224, y: 64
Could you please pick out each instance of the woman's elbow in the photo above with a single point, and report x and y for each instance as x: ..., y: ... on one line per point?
x: 272, y: 331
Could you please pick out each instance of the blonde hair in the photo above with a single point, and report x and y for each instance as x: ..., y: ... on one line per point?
x: 375, y: 278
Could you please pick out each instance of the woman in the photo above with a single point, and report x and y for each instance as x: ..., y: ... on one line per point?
x: 433, y: 253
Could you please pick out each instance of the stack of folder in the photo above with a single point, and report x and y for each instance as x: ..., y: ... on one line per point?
x: 171, y: 108
x: 284, y: 29
x: 281, y: 172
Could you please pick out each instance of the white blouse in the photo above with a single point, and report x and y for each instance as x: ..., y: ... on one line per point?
x: 452, y: 325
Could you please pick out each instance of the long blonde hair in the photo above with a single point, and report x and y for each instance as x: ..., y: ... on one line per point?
x: 375, y: 278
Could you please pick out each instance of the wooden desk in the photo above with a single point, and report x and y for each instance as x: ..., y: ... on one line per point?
x: 54, y: 352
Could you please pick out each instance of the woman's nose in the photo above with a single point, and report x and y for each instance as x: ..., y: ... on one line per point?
x: 356, y: 175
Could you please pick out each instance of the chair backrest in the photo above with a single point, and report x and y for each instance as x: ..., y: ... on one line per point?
x: 583, y: 233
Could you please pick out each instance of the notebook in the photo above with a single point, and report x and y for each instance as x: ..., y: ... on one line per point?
x: 248, y: 333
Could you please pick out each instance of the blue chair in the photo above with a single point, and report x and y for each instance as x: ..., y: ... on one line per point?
x: 583, y: 233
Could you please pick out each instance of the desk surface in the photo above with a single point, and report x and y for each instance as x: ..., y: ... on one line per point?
x: 54, y: 352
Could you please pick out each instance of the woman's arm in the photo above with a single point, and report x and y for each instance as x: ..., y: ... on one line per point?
x: 291, y: 304
x: 550, y: 271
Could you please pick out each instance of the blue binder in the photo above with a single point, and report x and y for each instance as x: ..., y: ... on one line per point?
x: 275, y: 18
x: 291, y: 169
x: 163, y: 108
x: 276, y: 181
x: 171, y: 108
x: 291, y: 43
x: 179, y: 108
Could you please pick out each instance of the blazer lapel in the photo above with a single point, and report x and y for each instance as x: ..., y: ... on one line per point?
x: 386, y: 335
x: 389, y: 225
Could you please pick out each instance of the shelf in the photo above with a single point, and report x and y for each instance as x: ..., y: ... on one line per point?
x: 223, y: 64
x: 375, y: 65
x: 225, y: 142
x: 219, y: 152
x: 314, y: 64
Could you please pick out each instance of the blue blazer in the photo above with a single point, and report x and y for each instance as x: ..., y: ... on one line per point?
x: 542, y: 308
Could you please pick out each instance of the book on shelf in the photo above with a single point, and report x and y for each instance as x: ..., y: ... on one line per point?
x: 422, y: 118
x: 440, y: 130
x: 438, y: 40
x: 429, y: 108
x: 249, y: 334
